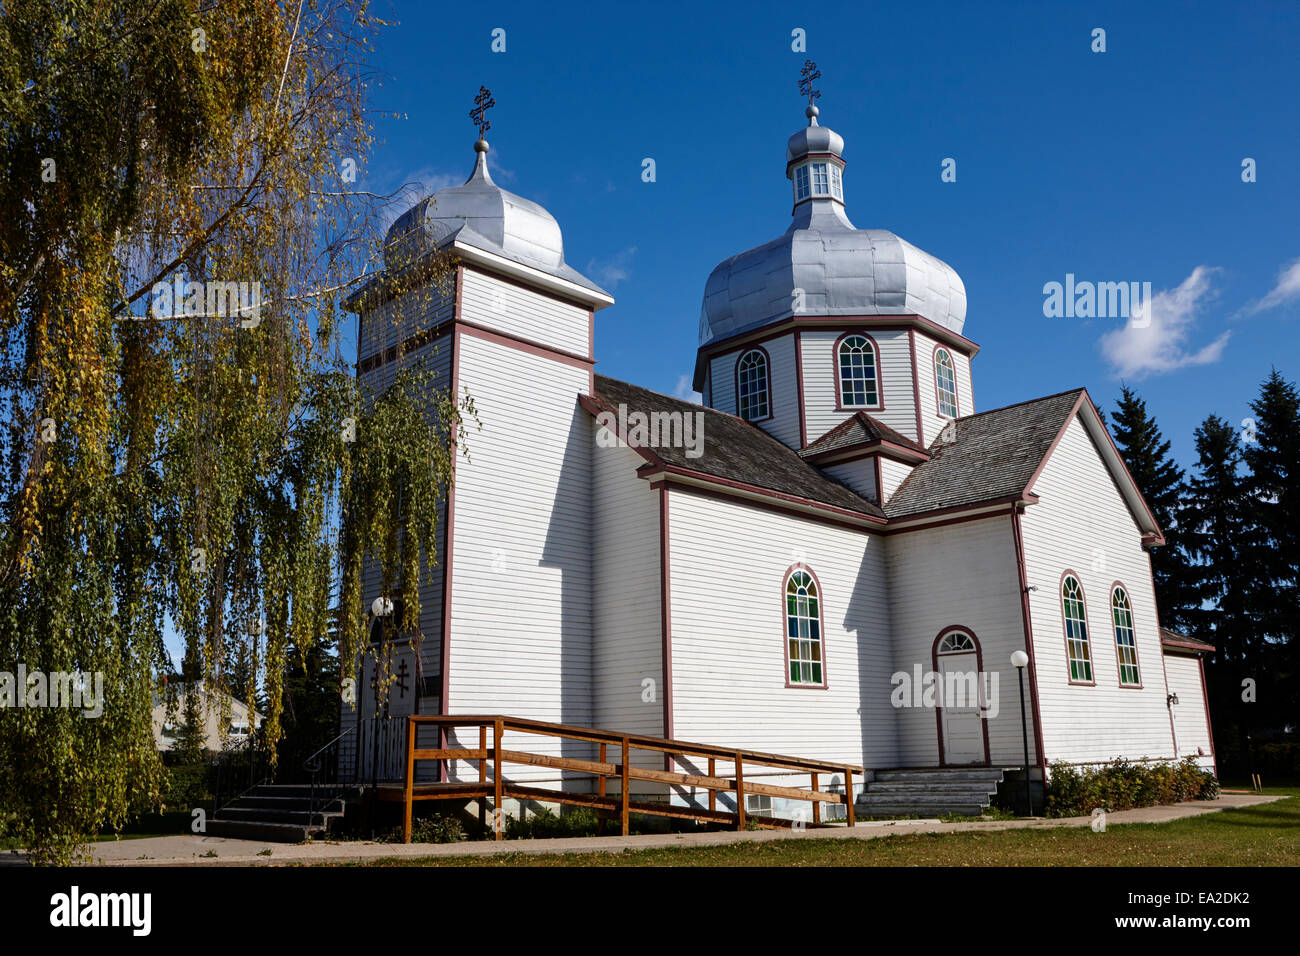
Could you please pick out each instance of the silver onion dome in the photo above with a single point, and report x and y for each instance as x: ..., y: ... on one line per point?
x: 823, y: 265
x: 483, y: 215
x: 813, y: 139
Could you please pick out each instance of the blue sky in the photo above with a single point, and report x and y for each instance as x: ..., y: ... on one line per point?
x: 1117, y: 166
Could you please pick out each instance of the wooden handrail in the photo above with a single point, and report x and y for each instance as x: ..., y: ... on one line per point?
x: 603, y: 769
x: 640, y: 741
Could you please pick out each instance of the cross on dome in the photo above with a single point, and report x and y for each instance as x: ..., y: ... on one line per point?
x: 483, y: 103
x: 807, y: 75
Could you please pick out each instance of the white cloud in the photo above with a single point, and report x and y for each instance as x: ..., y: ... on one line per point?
x: 685, y: 392
x: 1160, y: 345
x: 610, y: 272
x: 1286, y: 289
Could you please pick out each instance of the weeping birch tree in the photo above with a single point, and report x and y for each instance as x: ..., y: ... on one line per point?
x: 184, y: 445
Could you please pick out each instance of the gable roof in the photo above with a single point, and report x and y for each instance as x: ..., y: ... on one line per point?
x: 859, y: 429
x: 989, y: 456
x: 999, y: 454
x: 1174, y: 643
x: 733, y: 450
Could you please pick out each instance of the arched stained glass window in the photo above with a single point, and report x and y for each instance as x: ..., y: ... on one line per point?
x: 803, y: 629
x: 1125, y: 638
x: 1076, y: 630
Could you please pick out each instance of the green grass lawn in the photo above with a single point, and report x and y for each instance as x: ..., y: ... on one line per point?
x: 1267, y: 835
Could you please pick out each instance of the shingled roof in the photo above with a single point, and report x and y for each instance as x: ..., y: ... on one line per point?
x: 984, y: 457
x: 735, y: 450
x: 860, y: 428
x: 1181, y: 642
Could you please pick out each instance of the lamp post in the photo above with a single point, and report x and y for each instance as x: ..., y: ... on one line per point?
x: 1019, y: 660
x: 380, y: 608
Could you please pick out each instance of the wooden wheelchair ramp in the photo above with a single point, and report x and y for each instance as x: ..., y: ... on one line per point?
x: 612, y: 772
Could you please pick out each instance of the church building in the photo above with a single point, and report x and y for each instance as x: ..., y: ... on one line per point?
x: 798, y: 565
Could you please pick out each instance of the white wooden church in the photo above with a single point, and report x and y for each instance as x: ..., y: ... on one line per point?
x: 841, y: 521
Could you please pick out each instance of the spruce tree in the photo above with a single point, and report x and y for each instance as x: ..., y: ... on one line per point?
x: 1214, y: 520
x: 1271, y: 449
x: 1146, y: 454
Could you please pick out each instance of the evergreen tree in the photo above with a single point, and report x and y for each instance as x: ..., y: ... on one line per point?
x: 1214, y: 520
x: 1271, y: 449
x: 1146, y: 454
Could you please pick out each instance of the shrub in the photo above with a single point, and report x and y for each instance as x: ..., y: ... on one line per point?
x: 1122, y: 785
x: 186, y: 787
x: 543, y: 824
x: 438, y: 828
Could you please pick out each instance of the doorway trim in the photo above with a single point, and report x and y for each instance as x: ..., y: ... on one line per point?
x: 938, y: 711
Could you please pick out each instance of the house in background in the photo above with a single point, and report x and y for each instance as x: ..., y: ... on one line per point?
x: 227, y: 721
x: 848, y: 522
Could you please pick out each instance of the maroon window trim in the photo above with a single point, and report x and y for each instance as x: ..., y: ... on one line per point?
x: 767, y: 382
x: 821, y: 628
x: 880, y: 378
x: 938, y: 711
x: 956, y: 392
x: 1137, y: 657
x: 1065, y: 632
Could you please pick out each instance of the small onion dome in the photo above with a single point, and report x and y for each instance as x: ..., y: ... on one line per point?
x: 519, y: 227
x: 813, y: 139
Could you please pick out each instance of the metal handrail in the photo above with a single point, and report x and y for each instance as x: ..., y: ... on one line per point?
x: 313, y: 766
x: 225, y: 759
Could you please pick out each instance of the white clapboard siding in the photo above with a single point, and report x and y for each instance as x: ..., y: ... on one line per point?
x: 384, y: 327
x: 783, y: 388
x: 1081, y: 523
x: 396, y: 321
x: 859, y: 475
x: 438, y: 356
x: 521, y: 614
x: 505, y: 307
x: 931, y: 421
x: 820, y: 369
x: 892, y: 474
x: 1184, y: 676
x: 729, y: 562
x: 627, y: 642
x: 959, y: 575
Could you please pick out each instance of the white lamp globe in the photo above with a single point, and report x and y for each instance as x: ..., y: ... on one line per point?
x: 381, y: 607
x: 1019, y: 659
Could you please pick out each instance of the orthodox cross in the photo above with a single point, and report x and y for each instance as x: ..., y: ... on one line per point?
x: 807, y: 75
x: 478, y: 114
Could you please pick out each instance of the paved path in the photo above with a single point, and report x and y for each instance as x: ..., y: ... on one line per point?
x: 195, y: 849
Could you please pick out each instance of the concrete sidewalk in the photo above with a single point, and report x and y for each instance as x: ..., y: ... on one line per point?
x: 197, y: 849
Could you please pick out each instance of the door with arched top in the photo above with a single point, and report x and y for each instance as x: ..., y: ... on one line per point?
x: 958, y: 667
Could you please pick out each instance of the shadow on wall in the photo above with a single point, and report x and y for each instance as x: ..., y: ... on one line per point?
x: 568, y: 549
x: 867, y: 616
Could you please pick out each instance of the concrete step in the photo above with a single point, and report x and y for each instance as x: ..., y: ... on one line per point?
x: 280, y: 803
x: 941, y: 774
x: 254, y: 830
x: 916, y: 786
x: 911, y: 810
x: 919, y: 799
x: 301, y: 790
x: 318, y: 819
